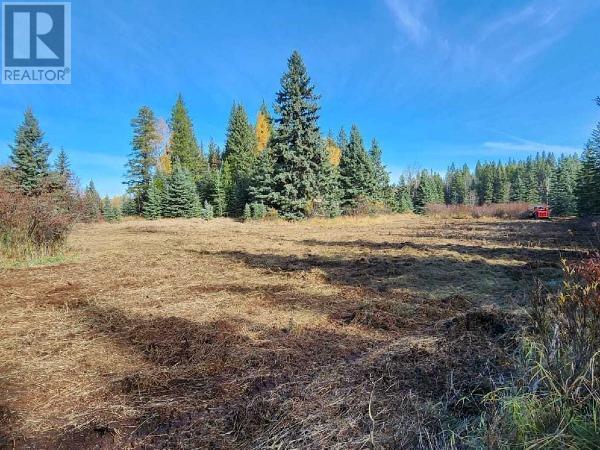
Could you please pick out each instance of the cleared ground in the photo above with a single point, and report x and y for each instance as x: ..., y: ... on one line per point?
x: 341, y: 333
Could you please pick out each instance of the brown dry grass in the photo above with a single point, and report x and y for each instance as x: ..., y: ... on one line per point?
x: 342, y: 333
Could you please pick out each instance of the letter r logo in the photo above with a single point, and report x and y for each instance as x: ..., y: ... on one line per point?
x: 34, y: 34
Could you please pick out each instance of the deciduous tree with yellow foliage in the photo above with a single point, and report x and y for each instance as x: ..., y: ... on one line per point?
x: 263, y: 128
x: 334, y: 152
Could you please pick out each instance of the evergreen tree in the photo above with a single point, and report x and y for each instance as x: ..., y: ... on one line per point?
x: 403, y: 197
x: 381, y: 176
x: 240, y: 155
x: 180, y: 198
x: 457, y: 185
x: 342, y: 141
x: 588, y: 182
x: 518, y: 190
x: 357, y: 178
x: 152, y: 208
x: 262, y: 179
x: 213, y: 192
x: 484, y: 175
x: 183, y: 146
x: 62, y: 165
x: 429, y: 190
x: 240, y: 145
x: 501, y: 185
x: 563, y: 199
x: 259, y: 211
x: 142, y: 159
x: 247, y: 215
x: 207, y: 211
x: 300, y: 173
x: 264, y: 128
x: 109, y: 211
x: 91, y: 209
x: 128, y: 208
x: 29, y: 154
x: 328, y: 179
x: 214, y: 156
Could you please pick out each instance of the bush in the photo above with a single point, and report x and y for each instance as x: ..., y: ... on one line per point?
x: 247, y: 215
x: 34, y: 225
x: 364, y: 206
x: 555, y: 402
x: 516, y: 210
x: 259, y: 211
x: 207, y: 212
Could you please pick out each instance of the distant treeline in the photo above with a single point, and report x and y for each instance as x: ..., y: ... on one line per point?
x: 540, y: 179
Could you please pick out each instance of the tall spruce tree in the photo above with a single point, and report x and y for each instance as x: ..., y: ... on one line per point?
x: 403, y: 197
x: 240, y: 155
x: 501, y: 186
x: 29, y: 154
x: 143, y: 157
x: 300, y: 172
x: 588, y: 181
x: 357, y: 178
x: 183, y: 146
x: 342, y: 141
x: 428, y: 191
x: 92, y: 204
x: 62, y: 166
x: 262, y: 179
x: 588, y: 184
x: 563, y: 199
x: 381, y: 176
x: 240, y: 145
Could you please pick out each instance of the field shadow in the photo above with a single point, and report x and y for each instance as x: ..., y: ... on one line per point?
x: 514, y: 253
x: 426, y: 277
x: 210, y: 384
x: 556, y: 234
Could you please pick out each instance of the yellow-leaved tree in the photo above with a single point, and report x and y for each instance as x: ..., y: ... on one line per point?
x: 263, y: 128
x: 334, y: 152
x: 164, y: 164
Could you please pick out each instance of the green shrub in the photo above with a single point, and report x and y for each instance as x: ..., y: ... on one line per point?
x: 207, y: 212
x: 247, y: 212
x: 259, y: 211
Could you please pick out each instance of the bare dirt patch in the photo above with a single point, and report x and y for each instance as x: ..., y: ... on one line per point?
x: 192, y: 334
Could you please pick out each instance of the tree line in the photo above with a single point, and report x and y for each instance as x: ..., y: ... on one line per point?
x: 283, y: 165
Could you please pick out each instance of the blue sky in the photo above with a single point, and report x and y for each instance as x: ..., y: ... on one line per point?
x: 434, y: 81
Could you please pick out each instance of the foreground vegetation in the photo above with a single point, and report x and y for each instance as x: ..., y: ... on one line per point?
x: 387, y: 332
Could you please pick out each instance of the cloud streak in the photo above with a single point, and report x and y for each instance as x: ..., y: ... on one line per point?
x: 409, y: 18
x: 497, y: 44
x: 525, y: 146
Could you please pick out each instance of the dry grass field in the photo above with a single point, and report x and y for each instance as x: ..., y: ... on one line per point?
x: 346, y: 333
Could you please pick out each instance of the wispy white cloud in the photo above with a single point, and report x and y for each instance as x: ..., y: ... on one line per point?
x: 409, y: 16
x: 525, y: 146
x: 496, y: 44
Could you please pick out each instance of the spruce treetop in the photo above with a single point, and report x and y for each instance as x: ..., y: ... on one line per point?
x: 183, y: 146
x: 240, y: 145
x: 29, y: 153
